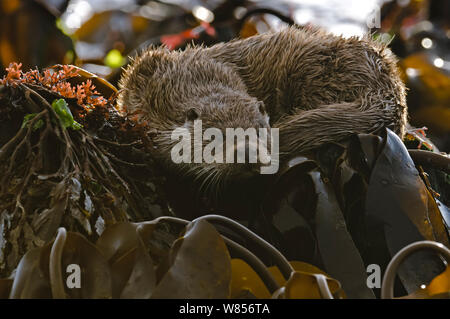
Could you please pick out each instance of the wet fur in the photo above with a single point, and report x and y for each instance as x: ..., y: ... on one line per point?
x: 316, y: 88
x: 165, y: 85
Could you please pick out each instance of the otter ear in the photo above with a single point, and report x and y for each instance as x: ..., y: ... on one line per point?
x: 261, y: 107
x: 192, y: 114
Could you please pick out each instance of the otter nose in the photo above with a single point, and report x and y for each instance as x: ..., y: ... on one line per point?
x: 247, y: 159
x: 251, y: 153
x: 246, y: 152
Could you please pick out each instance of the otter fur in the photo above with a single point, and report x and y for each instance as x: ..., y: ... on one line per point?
x: 173, y: 89
x: 314, y: 86
x: 318, y: 87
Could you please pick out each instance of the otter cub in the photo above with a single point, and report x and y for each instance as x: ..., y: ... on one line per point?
x: 315, y: 87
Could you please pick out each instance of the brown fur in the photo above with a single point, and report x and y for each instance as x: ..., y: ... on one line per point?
x: 316, y: 88
x: 166, y: 85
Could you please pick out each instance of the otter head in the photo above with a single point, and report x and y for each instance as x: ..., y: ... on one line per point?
x: 207, y: 126
x: 224, y: 137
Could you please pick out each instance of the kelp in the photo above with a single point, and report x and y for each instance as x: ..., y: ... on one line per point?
x: 196, y: 263
x: 68, y: 158
x: 354, y: 204
x: 71, y: 161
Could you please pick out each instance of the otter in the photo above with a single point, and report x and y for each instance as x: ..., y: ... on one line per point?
x: 315, y: 87
x: 174, y: 89
x: 318, y: 87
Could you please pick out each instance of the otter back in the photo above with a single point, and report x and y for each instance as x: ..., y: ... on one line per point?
x: 319, y: 87
x: 315, y: 86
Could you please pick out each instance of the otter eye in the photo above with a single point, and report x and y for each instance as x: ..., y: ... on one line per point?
x: 261, y: 107
x: 192, y: 114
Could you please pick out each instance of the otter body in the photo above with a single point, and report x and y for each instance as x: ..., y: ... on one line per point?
x: 318, y: 87
x: 314, y: 86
